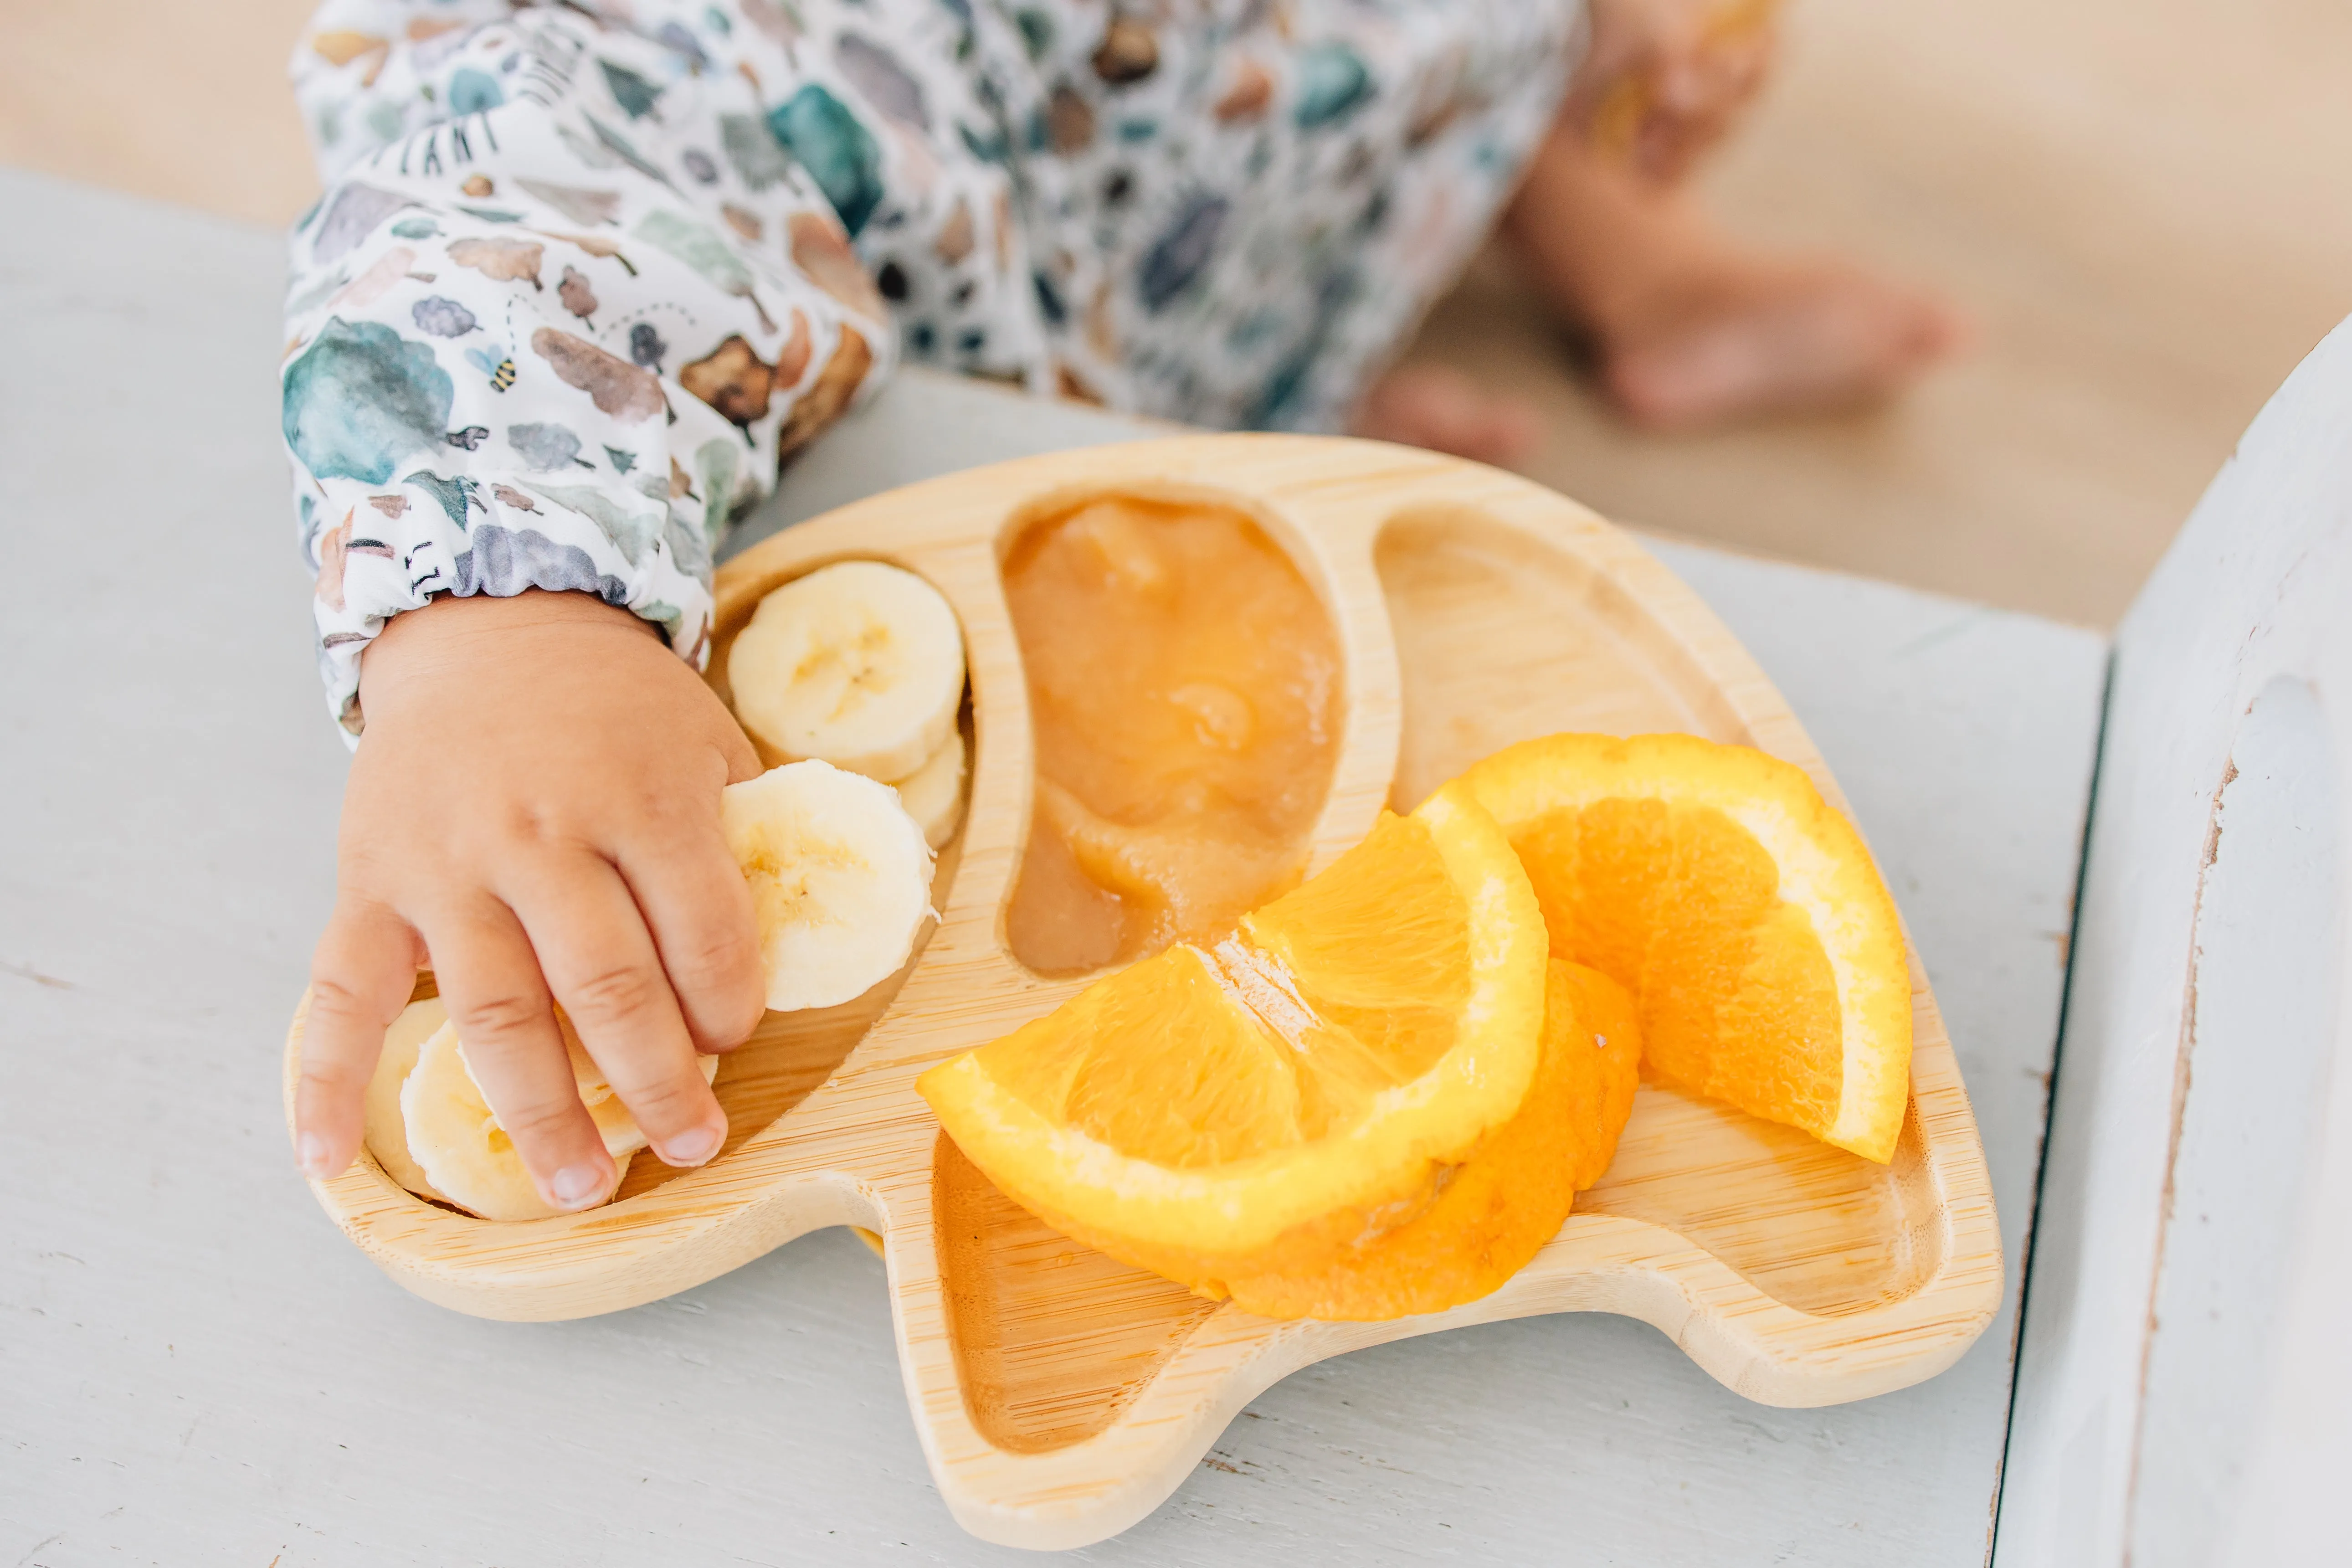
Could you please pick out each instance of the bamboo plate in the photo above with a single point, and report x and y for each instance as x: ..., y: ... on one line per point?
x: 1060, y: 1396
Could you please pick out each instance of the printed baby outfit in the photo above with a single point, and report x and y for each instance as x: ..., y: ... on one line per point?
x: 584, y: 275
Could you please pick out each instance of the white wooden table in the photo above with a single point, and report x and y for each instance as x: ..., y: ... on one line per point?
x: 196, y: 1369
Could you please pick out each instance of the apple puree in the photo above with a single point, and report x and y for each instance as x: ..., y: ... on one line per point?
x: 1184, y: 694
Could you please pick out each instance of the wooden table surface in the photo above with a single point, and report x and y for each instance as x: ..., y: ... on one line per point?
x: 196, y: 1369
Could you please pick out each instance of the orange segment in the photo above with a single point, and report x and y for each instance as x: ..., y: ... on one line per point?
x: 1298, y: 1084
x: 1744, y: 915
x: 1396, y: 998
x: 1497, y: 1209
x: 1601, y: 1033
x: 1227, y: 1094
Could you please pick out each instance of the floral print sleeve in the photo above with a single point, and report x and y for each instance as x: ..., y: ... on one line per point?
x: 583, y: 274
x: 566, y: 300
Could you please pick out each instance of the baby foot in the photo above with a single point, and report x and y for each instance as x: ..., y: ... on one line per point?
x: 1444, y: 410
x: 1767, y: 337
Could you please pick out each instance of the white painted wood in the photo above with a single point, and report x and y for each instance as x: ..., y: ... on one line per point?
x: 2266, y: 976
x: 196, y: 1368
x: 2185, y: 1376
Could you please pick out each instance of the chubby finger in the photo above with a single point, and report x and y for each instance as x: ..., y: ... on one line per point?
x: 742, y: 758
x: 491, y: 980
x: 695, y: 902
x: 597, y: 955
x: 361, y: 976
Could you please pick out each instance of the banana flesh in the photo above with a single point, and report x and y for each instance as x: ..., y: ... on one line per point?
x: 858, y: 664
x: 933, y: 793
x: 840, y: 875
x: 387, y: 1132
x: 455, y: 1142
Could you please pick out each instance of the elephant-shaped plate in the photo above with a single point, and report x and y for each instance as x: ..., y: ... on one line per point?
x: 1060, y: 1395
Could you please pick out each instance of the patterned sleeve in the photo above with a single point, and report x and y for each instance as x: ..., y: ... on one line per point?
x: 568, y: 298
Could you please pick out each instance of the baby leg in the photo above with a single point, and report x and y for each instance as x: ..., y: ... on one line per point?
x: 1694, y: 330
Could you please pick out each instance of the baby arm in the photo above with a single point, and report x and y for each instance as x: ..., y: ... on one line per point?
x: 564, y: 303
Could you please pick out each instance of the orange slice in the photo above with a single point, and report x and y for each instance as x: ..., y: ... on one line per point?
x: 1744, y: 914
x: 1267, y: 1101
x: 1494, y: 1211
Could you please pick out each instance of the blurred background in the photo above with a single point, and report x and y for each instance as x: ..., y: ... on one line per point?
x: 2146, y: 205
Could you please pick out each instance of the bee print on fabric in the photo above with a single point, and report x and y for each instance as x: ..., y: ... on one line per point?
x: 499, y: 367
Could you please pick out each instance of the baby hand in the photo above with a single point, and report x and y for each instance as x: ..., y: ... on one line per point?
x: 1663, y: 79
x: 534, y: 813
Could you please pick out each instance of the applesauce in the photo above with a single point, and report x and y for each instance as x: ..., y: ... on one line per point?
x: 1184, y: 693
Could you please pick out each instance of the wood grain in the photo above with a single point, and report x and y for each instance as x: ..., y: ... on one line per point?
x: 1059, y: 1397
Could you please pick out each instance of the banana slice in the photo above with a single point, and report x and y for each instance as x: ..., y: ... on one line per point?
x: 467, y: 1155
x: 840, y: 875
x: 857, y: 664
x: 933, y: 793
x: 387, y: 1134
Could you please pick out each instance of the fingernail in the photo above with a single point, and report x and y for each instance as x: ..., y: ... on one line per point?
x: 310, y: 1153
x: 577, y: 1186
x: 693, y: 1146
